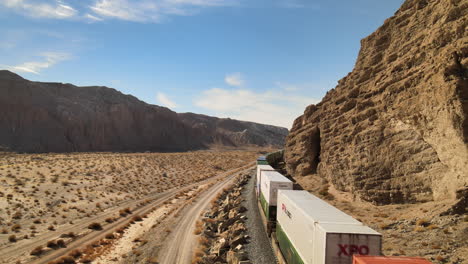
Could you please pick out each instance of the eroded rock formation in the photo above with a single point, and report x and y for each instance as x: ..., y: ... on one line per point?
x: 395, y: 129
x: 56, y: 117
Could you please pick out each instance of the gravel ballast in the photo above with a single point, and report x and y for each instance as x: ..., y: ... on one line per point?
x: 259, y: 249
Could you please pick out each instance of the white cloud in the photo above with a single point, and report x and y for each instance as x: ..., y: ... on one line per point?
x: 93, y: 18
x: 41, y: 9
x: 234, y: 79
x: 165, y: 101
x: 270, y: 107
x: 151, y: 10
x: 98, y: 10
x: 49, y: 59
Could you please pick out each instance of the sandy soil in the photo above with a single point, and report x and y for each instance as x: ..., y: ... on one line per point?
x: 408, y: 229
x: 43, y: 196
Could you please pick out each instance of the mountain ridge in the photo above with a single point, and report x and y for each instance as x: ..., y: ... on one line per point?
x: 58, y: 117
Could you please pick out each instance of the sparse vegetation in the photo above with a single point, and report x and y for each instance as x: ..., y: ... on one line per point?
x: 95, y: 226
x: 12, y: 238
x: 48, y: 192
x: 37, y: 251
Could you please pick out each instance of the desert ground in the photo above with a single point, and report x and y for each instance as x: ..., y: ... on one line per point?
x: 412, y: 229
x: 102, y: 207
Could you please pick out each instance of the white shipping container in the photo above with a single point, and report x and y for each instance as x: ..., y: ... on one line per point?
x: 320, y: 233
x: 261, y: 168
x: 271, y: 182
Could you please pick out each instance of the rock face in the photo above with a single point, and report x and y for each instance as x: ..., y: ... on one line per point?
x: 56, y: 117
x: 395, y: 129
x: 229, y: 132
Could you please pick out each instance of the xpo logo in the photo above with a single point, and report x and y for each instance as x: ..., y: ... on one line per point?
x: 286, y: 211
x: 349, y: 250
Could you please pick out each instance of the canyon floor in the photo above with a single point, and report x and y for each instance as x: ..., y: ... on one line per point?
x: 106, y: 207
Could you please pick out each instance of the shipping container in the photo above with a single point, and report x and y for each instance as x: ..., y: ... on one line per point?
x: 262, y: 160
x: 271, y: 182
x: 261, y: 168
x: 359, y: 259
x: 311, y: 231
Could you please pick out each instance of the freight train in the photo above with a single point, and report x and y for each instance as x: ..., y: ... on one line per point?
x: 304, y: 229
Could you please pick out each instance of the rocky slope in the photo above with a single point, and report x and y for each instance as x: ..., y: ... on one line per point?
x: 229, y: 132
x: 395, y: 129
x: 56, y: 117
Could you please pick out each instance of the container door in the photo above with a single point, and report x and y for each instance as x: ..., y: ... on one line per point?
x: 340, y: 248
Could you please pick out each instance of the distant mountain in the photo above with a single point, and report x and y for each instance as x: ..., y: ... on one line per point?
x: 57, y: 117
x: 230, y: 132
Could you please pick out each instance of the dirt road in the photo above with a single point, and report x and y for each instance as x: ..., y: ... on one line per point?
x: 178, y: 248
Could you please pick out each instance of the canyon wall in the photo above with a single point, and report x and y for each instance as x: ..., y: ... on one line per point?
x: 395, y: 129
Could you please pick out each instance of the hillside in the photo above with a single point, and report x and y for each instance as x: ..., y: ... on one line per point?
x: 56, y: 117
x: 395, y: 129
x: 229, y: 132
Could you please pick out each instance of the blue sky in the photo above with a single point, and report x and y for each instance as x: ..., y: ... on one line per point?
x: 255, y: 60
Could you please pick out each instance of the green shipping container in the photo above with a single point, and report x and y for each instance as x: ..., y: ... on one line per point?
x: 268, y: 211
x: 286, y: 247
x: 262, y: 162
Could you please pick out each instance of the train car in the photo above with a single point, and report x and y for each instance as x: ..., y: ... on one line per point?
x: 260, y: 169
x: 358, y: 259
x: 262, y: 160
x: 311, y: 231
x: 271, y: 182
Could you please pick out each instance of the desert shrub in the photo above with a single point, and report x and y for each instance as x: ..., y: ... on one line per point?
x: 51, y: 228
x: 125, y: 212
x: 17, y: 215
x: 67, y: 260
x: 87, y: 259
x: 12, y: 238
x: 75, y: 253
x: 52, y: 244
x: 137, y: 218
x: 37, y: 251
x: 110, y: 236
x: 95, y: 226
x: 16, y: 227
x: 61, y: 243
x: 109, y: 220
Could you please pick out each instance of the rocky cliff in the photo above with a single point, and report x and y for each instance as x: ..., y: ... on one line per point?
x: 230, y: 132
x: 56, y: 117
x: 395, y: 129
